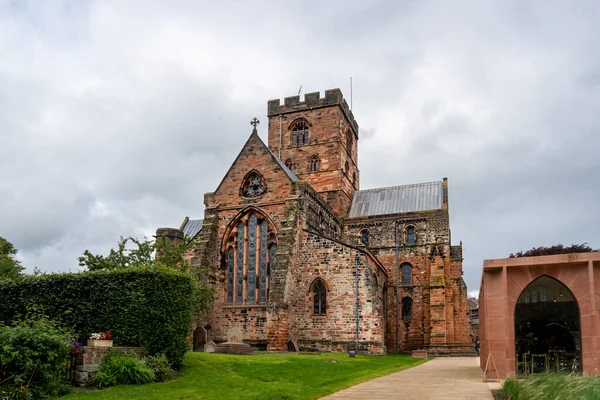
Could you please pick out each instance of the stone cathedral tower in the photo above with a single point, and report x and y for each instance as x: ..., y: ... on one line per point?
x: 318, y: 140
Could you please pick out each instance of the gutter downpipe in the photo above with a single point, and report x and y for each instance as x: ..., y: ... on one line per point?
x: 357, y: 322
x: 280, y: 134
x: 397, y: 289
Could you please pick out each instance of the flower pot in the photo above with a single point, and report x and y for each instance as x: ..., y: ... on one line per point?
x: 99, y: 343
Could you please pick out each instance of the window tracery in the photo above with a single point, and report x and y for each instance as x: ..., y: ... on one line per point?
x: 300, y: 132
x: 254, y: 185
x: 248, y: 260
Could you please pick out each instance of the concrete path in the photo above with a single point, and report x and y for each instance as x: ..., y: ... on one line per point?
x: 445, y: 378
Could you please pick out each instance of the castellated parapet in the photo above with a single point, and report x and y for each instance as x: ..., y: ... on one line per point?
x: 312, y: 101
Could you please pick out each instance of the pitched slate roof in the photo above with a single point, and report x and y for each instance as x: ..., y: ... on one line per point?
x: 288, y: 171
x: 192, y: 227
x: 397, y: 199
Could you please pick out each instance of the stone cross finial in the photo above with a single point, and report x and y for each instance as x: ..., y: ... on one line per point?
x: 254, y: 122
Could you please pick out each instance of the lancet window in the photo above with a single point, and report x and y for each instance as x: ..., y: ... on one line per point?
x: 406, y: 274
x: 319, y: 293
x: 314, y: 163
x: 406, y: 308
x: 250, y: 254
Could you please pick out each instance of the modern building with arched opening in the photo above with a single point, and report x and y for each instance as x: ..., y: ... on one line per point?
x: 540, y: 314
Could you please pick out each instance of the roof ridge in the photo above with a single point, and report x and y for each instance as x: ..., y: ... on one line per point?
x: 398, y: 186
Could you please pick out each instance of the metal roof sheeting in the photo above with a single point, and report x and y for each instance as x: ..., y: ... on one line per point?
x: 192, y: 227
x: 397, y: 199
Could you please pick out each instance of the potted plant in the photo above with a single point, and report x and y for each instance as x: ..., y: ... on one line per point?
x: 102, y: 339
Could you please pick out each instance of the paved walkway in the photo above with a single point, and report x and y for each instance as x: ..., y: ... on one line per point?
x: 444, y: 378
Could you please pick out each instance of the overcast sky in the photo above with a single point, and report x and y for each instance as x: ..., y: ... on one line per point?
x: 116, y: 116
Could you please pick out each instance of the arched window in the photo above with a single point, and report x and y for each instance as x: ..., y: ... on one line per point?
x: 248, y: 258
x: 406, y: 274
x: 254, y: 185
x: 364, y: 237
x: 410, y: 235
x: 319, y: 293
x: 346, y: 167
x: 288, y: 163
x: 349, y: 142
x: 314, y: 163
x: 300, y: 132
x: 407, y: 309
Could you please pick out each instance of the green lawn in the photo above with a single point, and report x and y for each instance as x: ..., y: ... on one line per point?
x: 260, y: 376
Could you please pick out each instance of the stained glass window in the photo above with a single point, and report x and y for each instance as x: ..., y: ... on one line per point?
x: 239, y: 284
x: 248, y: 264
x: 230, y: 275
x: 251, y: 289
x: 262, y: 284
x: 253, y: 186
x: 319, y: 297
x: 406, y: 274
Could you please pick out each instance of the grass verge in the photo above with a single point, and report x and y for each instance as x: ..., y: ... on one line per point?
x: 260, y: 376
x: 551, y: 387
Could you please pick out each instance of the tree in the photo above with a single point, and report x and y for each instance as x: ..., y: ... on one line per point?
x: 556, y: 249
x: 171, y: 254
x: 141, y: 252
x: 9, y: 267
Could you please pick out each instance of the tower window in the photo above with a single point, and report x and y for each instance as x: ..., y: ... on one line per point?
x: 354, y: 178
x: 288, y: 163
x: 407, y: 309
x: 300, y: 132
x: 346, y: 167
x: 410, y: 235
x: 406, y: 274
x: 319, y: 292
x: 349, y: 142
x: 314, y: 163
x: 364, y: 237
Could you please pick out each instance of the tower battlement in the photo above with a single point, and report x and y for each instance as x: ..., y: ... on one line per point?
x: 311, y: 101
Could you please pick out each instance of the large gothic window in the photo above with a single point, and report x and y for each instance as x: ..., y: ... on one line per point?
x: 319, y: 293
x: 251, y: 252
x: 300, y: 132
x: 253, y: 185
x: 406, y: 308
x: 406, y: 274
x: 314, y: 163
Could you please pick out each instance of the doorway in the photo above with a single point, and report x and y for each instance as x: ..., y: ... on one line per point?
x: 547, y: 329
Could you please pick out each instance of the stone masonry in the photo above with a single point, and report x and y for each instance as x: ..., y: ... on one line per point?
x: 281, y: 240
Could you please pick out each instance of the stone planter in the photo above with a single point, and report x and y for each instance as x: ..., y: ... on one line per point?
x: 99, y: 343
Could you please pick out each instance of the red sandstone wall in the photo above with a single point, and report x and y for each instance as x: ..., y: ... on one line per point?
x: 320, y: 257
x: 503, y: 281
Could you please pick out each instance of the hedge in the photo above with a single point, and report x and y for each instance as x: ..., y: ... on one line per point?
x: 141, y: 306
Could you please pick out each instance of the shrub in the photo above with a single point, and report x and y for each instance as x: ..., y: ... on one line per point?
x: 122, y: 369
x: 140, y: 306
x: 161, y: 367
x: 33, y: 354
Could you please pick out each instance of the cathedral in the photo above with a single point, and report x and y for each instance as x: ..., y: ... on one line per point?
x: 301, y: 258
